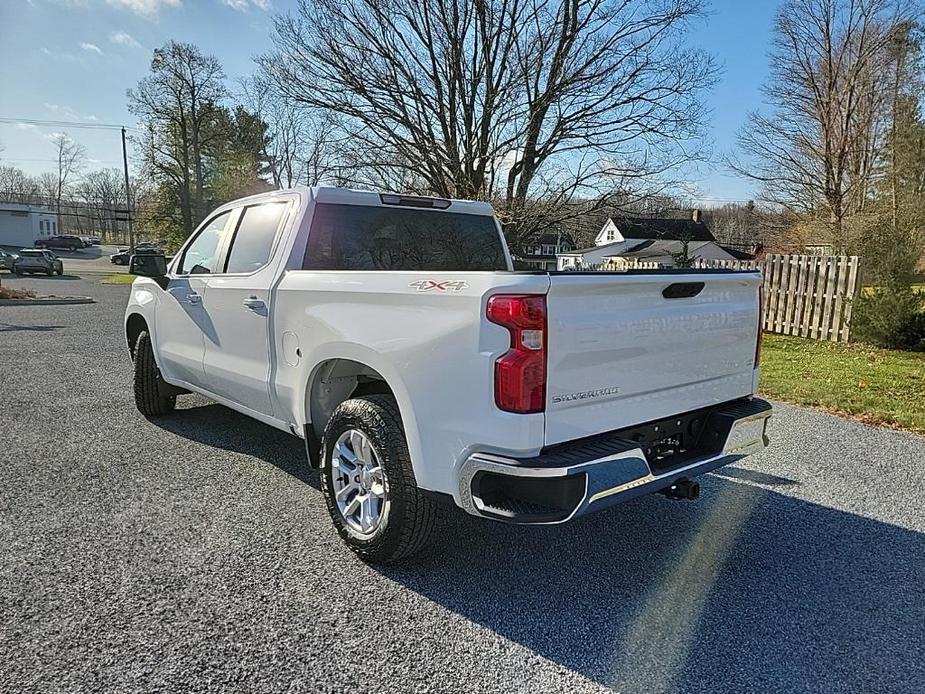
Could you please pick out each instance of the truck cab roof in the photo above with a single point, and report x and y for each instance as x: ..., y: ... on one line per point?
x: 349, y: 196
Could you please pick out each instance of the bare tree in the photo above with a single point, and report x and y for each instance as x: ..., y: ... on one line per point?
x: 70, y: 157
x: 102, y: 193
x: 17, y: 186
x: 818, y: 147
x: 303, y: 145
x: 533, y: 104
x: 178, y: 105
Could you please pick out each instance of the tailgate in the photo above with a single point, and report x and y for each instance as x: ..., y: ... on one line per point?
x: 625, y: 349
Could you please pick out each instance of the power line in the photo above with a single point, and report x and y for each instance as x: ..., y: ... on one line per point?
x: 55, y: 161
x: 64, y: 124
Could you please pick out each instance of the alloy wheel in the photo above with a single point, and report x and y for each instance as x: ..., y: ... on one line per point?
x: 361, y: 488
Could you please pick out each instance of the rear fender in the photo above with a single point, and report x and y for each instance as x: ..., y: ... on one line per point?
x: 367, y: 357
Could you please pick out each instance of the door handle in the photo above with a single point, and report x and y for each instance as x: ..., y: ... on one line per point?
x: 254, y: 303
x: 193, y: 298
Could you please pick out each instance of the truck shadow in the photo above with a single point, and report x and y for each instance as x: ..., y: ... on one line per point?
x: 744, y: 590
x: 216, y: 425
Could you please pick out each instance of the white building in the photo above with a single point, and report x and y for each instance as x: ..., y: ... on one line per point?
x: 22, y: 225
x: 543, y: 251
x: 647, y: 239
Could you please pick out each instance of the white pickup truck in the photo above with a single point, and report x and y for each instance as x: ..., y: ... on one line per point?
x: 392, y: 334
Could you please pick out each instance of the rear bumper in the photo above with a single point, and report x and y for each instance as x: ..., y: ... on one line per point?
x: 572, y: 479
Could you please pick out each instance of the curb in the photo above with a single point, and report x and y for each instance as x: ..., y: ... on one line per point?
x: 49, y: 301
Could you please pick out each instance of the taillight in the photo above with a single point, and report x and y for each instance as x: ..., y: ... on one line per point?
x: 520, y: 374
x: 760, y: 324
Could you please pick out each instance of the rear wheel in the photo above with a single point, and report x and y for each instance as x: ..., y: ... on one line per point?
x: 369, y: 484
x: 50, y: 272
x: 148, y: 383
x: 60, y: 271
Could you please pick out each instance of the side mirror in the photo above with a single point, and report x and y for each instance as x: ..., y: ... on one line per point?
x: 153, y: 266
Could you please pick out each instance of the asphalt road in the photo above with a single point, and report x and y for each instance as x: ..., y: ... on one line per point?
x: 194, y: 553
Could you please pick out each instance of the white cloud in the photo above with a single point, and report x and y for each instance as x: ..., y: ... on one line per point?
x: 147, y: 8
x: 91, y: 48
x: 122, y: 38
x: 243, y: 5
x: 65, y: 56
x: 25, y: 126
x: 67, y: 113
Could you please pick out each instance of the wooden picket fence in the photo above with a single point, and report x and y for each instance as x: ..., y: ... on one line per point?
x: 804, y: 295
x: 620, y: 264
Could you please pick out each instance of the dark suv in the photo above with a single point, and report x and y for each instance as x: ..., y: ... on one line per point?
x: 32, y: 260
x: 72, y: 243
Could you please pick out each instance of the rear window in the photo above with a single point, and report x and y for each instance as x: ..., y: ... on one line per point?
x: 354, y: 237
x: 31, y: 254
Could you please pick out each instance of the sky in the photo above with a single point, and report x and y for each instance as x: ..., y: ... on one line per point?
x: 72, y: 60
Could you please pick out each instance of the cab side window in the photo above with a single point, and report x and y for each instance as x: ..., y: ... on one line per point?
x: 202, y: 255
x: 253, y: 240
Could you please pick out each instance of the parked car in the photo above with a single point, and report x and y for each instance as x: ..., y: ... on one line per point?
x: 391, y: 333
x: 68, y: 241
x: 32, y: 260
x: 86, y: 240
x: 122, y: 255
x: 94, y: 240
x: 7, y: 260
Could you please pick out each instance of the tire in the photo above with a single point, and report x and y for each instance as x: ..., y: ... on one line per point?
x: 147, y: 381
x: 409, y: 515
x: 59, y: 271
x: 17, y: 271
x: 50, y: 272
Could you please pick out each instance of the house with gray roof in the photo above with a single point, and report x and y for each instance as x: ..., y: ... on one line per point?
x: 647, y: 239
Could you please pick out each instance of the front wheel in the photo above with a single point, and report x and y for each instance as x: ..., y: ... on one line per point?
x: 148, y: 383
x: 369, y: 484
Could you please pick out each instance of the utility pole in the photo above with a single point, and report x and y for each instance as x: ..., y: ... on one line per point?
x: 128, y: 197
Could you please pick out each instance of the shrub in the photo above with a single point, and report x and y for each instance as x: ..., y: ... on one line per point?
x: 10, y: 293
x: 891, y: 317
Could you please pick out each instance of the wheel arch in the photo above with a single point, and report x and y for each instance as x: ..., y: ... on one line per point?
x: 135, y: 323
x: 336, y: 379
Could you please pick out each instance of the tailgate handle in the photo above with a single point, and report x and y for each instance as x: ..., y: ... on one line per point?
x: 682, y: 290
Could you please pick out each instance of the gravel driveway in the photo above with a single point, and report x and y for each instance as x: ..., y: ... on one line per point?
x: 194, y: 553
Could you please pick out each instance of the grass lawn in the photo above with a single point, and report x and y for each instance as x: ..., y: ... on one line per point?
x: 878, y: 386
x: 119, y: 278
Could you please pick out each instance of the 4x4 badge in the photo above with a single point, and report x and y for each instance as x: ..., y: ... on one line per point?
x: 439, y: 285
